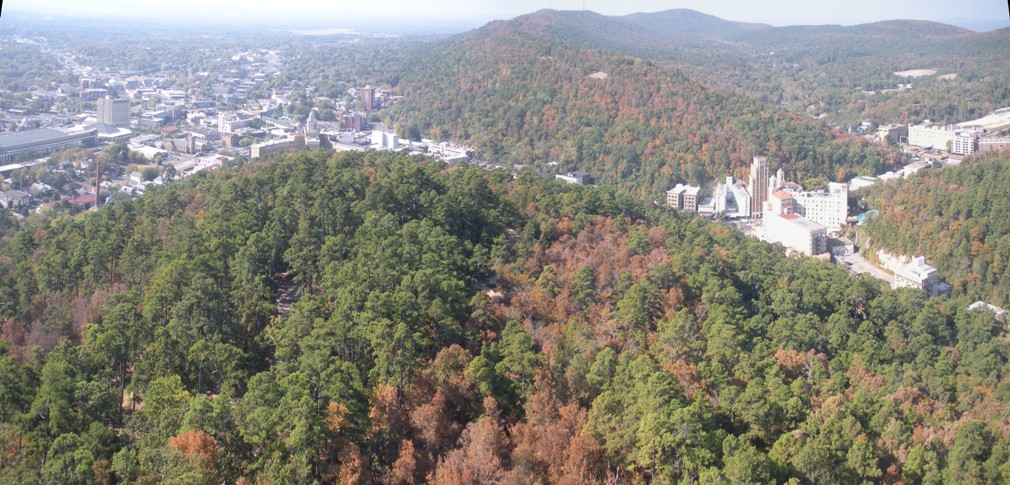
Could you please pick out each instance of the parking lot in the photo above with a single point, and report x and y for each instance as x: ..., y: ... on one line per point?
x: 858, y: 265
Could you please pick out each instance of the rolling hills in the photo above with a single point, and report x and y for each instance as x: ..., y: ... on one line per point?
x: 844, y: 73
x: 520, y: 91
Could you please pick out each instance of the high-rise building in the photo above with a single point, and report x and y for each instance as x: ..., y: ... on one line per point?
x: 368, y: 98
x: 757, y: 184
x: 115, y: 112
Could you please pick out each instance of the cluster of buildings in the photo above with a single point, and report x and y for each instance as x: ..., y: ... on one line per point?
x: 808, y: 222
x: 796, y: 218
x: 980, y: 135
x: 955, y: 139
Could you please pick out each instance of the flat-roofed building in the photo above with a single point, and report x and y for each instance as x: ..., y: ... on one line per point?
x: 13, y: 199
x: 732, y: 199
x: 911, y: 273
x: 917, y: 274
x: 981, y: 305
x: 893, y: 134
x: 263, y: 149
x: 577, y: 177
x: 861, y: 182
x: 42, y: 141
x: 993, y: 143
x: 828, y: 208
x: 683, y: 197
x: 959, y: 140
x: 796, y: 232
x: 115, y: 112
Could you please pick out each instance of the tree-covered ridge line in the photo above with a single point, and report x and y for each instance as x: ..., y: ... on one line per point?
x: 957, y: 218
x: 521, y: 97
x: 621, y: 343
x: 845, y: 73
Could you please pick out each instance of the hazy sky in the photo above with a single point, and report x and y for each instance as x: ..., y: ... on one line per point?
x: 317, y: 12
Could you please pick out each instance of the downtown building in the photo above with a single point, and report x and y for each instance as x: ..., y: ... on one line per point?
x: 783, y: 225
x: 959, y: 141
x: 115, y: 112
x: 757, y: 183
x: 829, y: 208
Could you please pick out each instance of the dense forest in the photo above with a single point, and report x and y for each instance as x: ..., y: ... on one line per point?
x: 520, y: 96
x: 957, y: 217
x: 353, y: 318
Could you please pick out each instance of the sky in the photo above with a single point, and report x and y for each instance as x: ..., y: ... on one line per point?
x: 343, y: 13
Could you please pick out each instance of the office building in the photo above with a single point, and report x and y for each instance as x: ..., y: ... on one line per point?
x: 757, y: 183
x: 382, y: 140
x: 115, y: 112
x: 266, y: 148
x: 368, y: 98
x: 919, y: 275
x: 354, y: 121
x: 448, y: 149
x: 231, y: 122
x: 683, y: 197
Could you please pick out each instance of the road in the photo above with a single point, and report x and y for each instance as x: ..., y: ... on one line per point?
x: 861, y: 265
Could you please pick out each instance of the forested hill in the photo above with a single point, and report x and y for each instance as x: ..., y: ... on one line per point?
x: 845, y: 73
x: 684, y: 21
x: 521, y: 94
x: 622, y: 343
x: 959, y: 218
